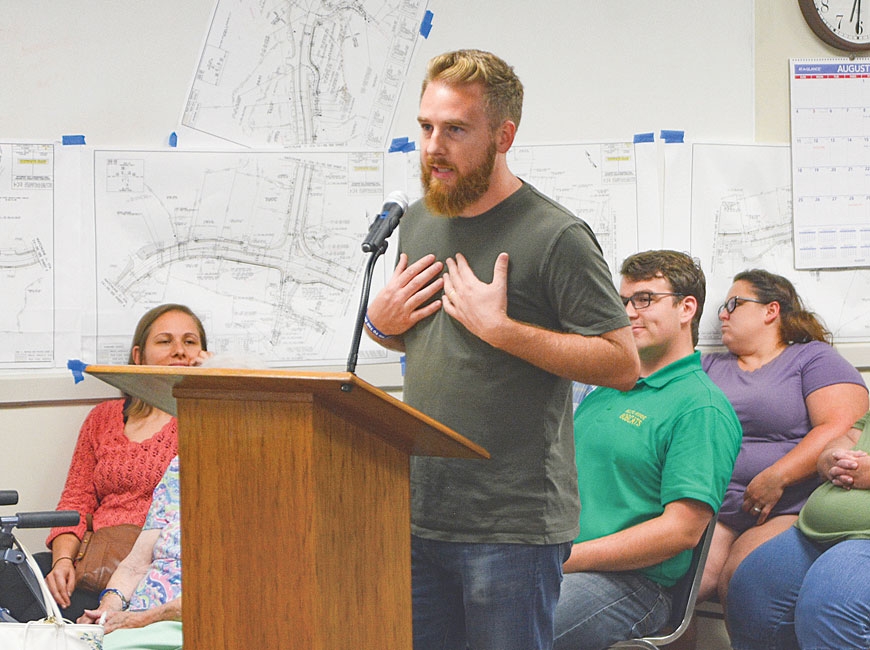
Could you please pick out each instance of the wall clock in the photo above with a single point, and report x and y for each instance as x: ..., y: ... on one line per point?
x: 839, y: 23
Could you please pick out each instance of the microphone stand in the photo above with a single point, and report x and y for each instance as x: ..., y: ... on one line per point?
x: 361, y: 312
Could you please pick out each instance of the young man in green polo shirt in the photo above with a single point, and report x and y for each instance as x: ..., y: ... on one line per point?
x: 653, y: 464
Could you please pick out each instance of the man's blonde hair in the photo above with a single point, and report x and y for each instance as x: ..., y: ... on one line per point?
x: 502, y: 89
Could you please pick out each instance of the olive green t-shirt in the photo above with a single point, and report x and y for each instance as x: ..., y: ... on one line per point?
x: 557, y: 279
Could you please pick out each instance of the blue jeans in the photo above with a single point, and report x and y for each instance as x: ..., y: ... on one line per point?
x: 793, y: 593
x: 597, y: 609
x: 484, y: 596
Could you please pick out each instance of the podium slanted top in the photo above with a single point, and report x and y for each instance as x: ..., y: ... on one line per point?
x: 399, y: 424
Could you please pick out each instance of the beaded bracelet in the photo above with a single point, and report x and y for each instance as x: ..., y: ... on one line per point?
x: 111, y: 590
x: 62, y: 557
x: 374, y: 330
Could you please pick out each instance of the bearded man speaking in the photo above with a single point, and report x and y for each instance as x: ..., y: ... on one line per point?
x: 499, y: 299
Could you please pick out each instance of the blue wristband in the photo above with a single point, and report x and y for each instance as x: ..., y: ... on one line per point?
x: 124, y: 602
x: 374, y: 330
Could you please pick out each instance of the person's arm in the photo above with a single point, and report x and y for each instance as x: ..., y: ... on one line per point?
x: 651, y: 542
x: 61, y: 580
x: 844, y: 466
x: 79, y: 491
x: 826, y: 459
x: 79, y: 494
x: 833, y: 410
x: 404, y: 301
x: 607, y: 360
x: 170, y: 611
x: 126, y: 577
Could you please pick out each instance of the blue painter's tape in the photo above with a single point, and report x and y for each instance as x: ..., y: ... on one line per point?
x: 77, y: 368
x: 426, y: 25
x: 397, y: 144
x: 173, y: 139
x: 402, y: 145
x: 672, y: 136
x: 73, y: 139
x: 644, y: 137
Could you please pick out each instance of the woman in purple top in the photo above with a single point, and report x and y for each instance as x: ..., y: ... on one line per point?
x: 793, y: 394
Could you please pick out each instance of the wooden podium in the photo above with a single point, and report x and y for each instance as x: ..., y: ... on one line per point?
x: 294, y: 504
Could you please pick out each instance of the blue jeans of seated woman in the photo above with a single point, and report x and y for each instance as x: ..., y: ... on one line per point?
x: 597, y: 609
x: 485, y: 596
x: 792, y: 593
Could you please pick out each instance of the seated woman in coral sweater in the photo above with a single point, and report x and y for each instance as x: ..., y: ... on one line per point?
x: 123, y: 449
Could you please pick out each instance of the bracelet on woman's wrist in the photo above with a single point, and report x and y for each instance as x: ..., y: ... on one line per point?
x: 62, y: 557
x: 111, y: 590
x: 374, y: 330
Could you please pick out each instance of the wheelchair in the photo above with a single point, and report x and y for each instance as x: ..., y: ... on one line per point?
x: 17, y: 581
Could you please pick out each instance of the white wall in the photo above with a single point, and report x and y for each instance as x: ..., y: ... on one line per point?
x: 116, y: 72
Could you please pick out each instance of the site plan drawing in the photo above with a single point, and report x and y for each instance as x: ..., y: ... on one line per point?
x: 27, y: 264
x: 742, y: 219
x: 596, y: 182
x: 264, y: 246
x: 304, y: 74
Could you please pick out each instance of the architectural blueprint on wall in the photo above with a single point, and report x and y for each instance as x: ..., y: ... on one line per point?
x: 742, y: 219
x: 27, y: 263
x: 311, y: 73
x: 265, y: 246
x: 596, y: 182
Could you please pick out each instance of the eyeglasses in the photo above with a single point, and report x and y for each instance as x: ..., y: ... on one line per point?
x: 734, y: 302
x: 643, y: 299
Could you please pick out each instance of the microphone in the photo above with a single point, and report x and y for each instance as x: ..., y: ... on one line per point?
x: 385, y: 223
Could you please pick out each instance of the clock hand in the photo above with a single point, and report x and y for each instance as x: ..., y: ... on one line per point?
x: 854, y: 4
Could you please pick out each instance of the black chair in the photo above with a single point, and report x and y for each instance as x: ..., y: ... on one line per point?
x: 684, y: 596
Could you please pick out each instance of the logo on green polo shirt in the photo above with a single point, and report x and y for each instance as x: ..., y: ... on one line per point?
x: 632, y: 417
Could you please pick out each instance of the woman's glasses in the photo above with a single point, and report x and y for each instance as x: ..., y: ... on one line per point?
x: 734, y: 302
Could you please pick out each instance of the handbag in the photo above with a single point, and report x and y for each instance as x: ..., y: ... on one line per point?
x: 101, y: 552
x: 52, y: 632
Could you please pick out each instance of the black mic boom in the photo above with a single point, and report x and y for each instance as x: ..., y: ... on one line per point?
x: 385, y: 223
